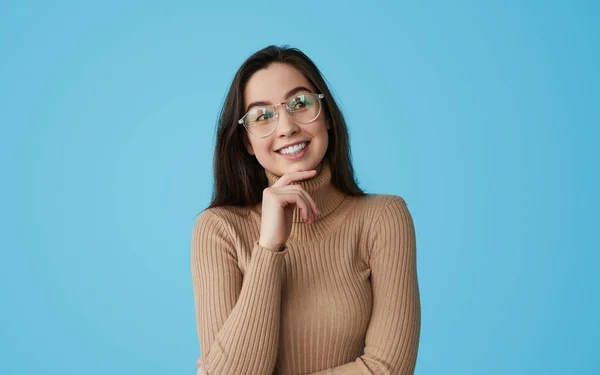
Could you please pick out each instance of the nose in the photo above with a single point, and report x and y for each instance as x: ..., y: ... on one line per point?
x: 286, y: 126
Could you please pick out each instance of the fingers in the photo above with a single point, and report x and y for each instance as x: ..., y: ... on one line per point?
x: 314, y: 210
x: 310, y: 207
x: 288, y: 178
x: 300, y: 199
x: 287, y: 190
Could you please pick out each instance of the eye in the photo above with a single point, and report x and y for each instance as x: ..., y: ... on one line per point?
x: 266, y: 115
x: 259, y: 114
x: 298, y: 102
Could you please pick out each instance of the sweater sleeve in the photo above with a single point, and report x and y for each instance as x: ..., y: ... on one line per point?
x: 237, y: 315
x: 392, y: 337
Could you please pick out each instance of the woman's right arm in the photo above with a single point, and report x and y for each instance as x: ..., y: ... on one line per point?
x: 237, y: 322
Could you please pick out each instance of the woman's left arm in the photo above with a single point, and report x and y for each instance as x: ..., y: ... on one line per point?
x: 392, y: 338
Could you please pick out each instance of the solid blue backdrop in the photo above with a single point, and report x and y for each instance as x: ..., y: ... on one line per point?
x: 483, y: 116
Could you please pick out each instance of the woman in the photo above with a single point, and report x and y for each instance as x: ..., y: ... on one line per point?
x: 295, y: 269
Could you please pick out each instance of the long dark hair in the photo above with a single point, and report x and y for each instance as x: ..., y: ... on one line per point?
x: 239, y: 179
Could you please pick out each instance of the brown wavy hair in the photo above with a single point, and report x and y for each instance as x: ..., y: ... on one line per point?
x: 239, y: 179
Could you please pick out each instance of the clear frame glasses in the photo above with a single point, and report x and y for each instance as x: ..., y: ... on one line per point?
x: 262, y: 120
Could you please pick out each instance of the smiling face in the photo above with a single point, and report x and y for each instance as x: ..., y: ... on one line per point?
x: 279, y: 83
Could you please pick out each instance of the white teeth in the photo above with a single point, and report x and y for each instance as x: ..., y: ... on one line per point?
x: 293, y: 149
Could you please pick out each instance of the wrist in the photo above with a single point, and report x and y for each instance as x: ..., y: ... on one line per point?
x: 271, y: 247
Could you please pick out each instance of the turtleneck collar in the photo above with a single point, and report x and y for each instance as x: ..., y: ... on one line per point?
x: 320, y: 188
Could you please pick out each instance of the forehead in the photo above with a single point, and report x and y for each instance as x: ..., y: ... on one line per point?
x: 272, y: 83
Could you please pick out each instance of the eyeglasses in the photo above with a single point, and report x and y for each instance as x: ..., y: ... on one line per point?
x: 262, y: 121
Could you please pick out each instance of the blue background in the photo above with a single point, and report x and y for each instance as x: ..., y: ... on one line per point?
x: 482, y: 115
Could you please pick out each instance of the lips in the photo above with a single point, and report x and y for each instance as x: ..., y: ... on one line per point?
x: 295, y: 156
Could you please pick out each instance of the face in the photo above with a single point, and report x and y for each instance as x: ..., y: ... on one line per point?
x: 276, y: 84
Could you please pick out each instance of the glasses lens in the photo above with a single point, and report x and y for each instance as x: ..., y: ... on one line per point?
x: 260, y: 121
x: 305, y: 108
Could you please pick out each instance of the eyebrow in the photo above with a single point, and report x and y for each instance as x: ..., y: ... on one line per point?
x: 287, y: 95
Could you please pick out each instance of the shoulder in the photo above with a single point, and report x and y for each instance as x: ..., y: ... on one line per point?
x: 381, y: 211
x: 392, y: 226
x: 222, y: 217
x: 373, y: 205
x: 385, y: 212
x: 383, y: 200
x: 214, y: 231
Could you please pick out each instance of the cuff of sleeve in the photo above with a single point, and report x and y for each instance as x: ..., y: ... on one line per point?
x: 282, y: 250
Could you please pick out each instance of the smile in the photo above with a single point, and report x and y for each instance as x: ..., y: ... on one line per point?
x: 294, y: 152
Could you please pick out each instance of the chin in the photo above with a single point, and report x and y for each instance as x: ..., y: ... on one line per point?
x: 292, y: 168
x: 301, y: 167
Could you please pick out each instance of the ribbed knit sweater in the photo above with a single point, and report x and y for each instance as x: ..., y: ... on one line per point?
x: 340, y: 297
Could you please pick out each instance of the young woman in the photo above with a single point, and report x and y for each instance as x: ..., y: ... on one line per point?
x: 295, y: 269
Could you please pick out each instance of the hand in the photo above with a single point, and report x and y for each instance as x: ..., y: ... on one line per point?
x: 200, y: 365
x: 278, y: 204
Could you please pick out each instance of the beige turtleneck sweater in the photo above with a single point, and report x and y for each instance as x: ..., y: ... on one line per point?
x: 342, y: 296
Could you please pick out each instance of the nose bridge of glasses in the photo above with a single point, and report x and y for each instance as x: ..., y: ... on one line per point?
x: 276, y: 111
x: 276, y: 108
x: 285, y: 123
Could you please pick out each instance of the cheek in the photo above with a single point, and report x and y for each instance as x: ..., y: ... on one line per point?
x: 263, y: 147
x: 320, y: 130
